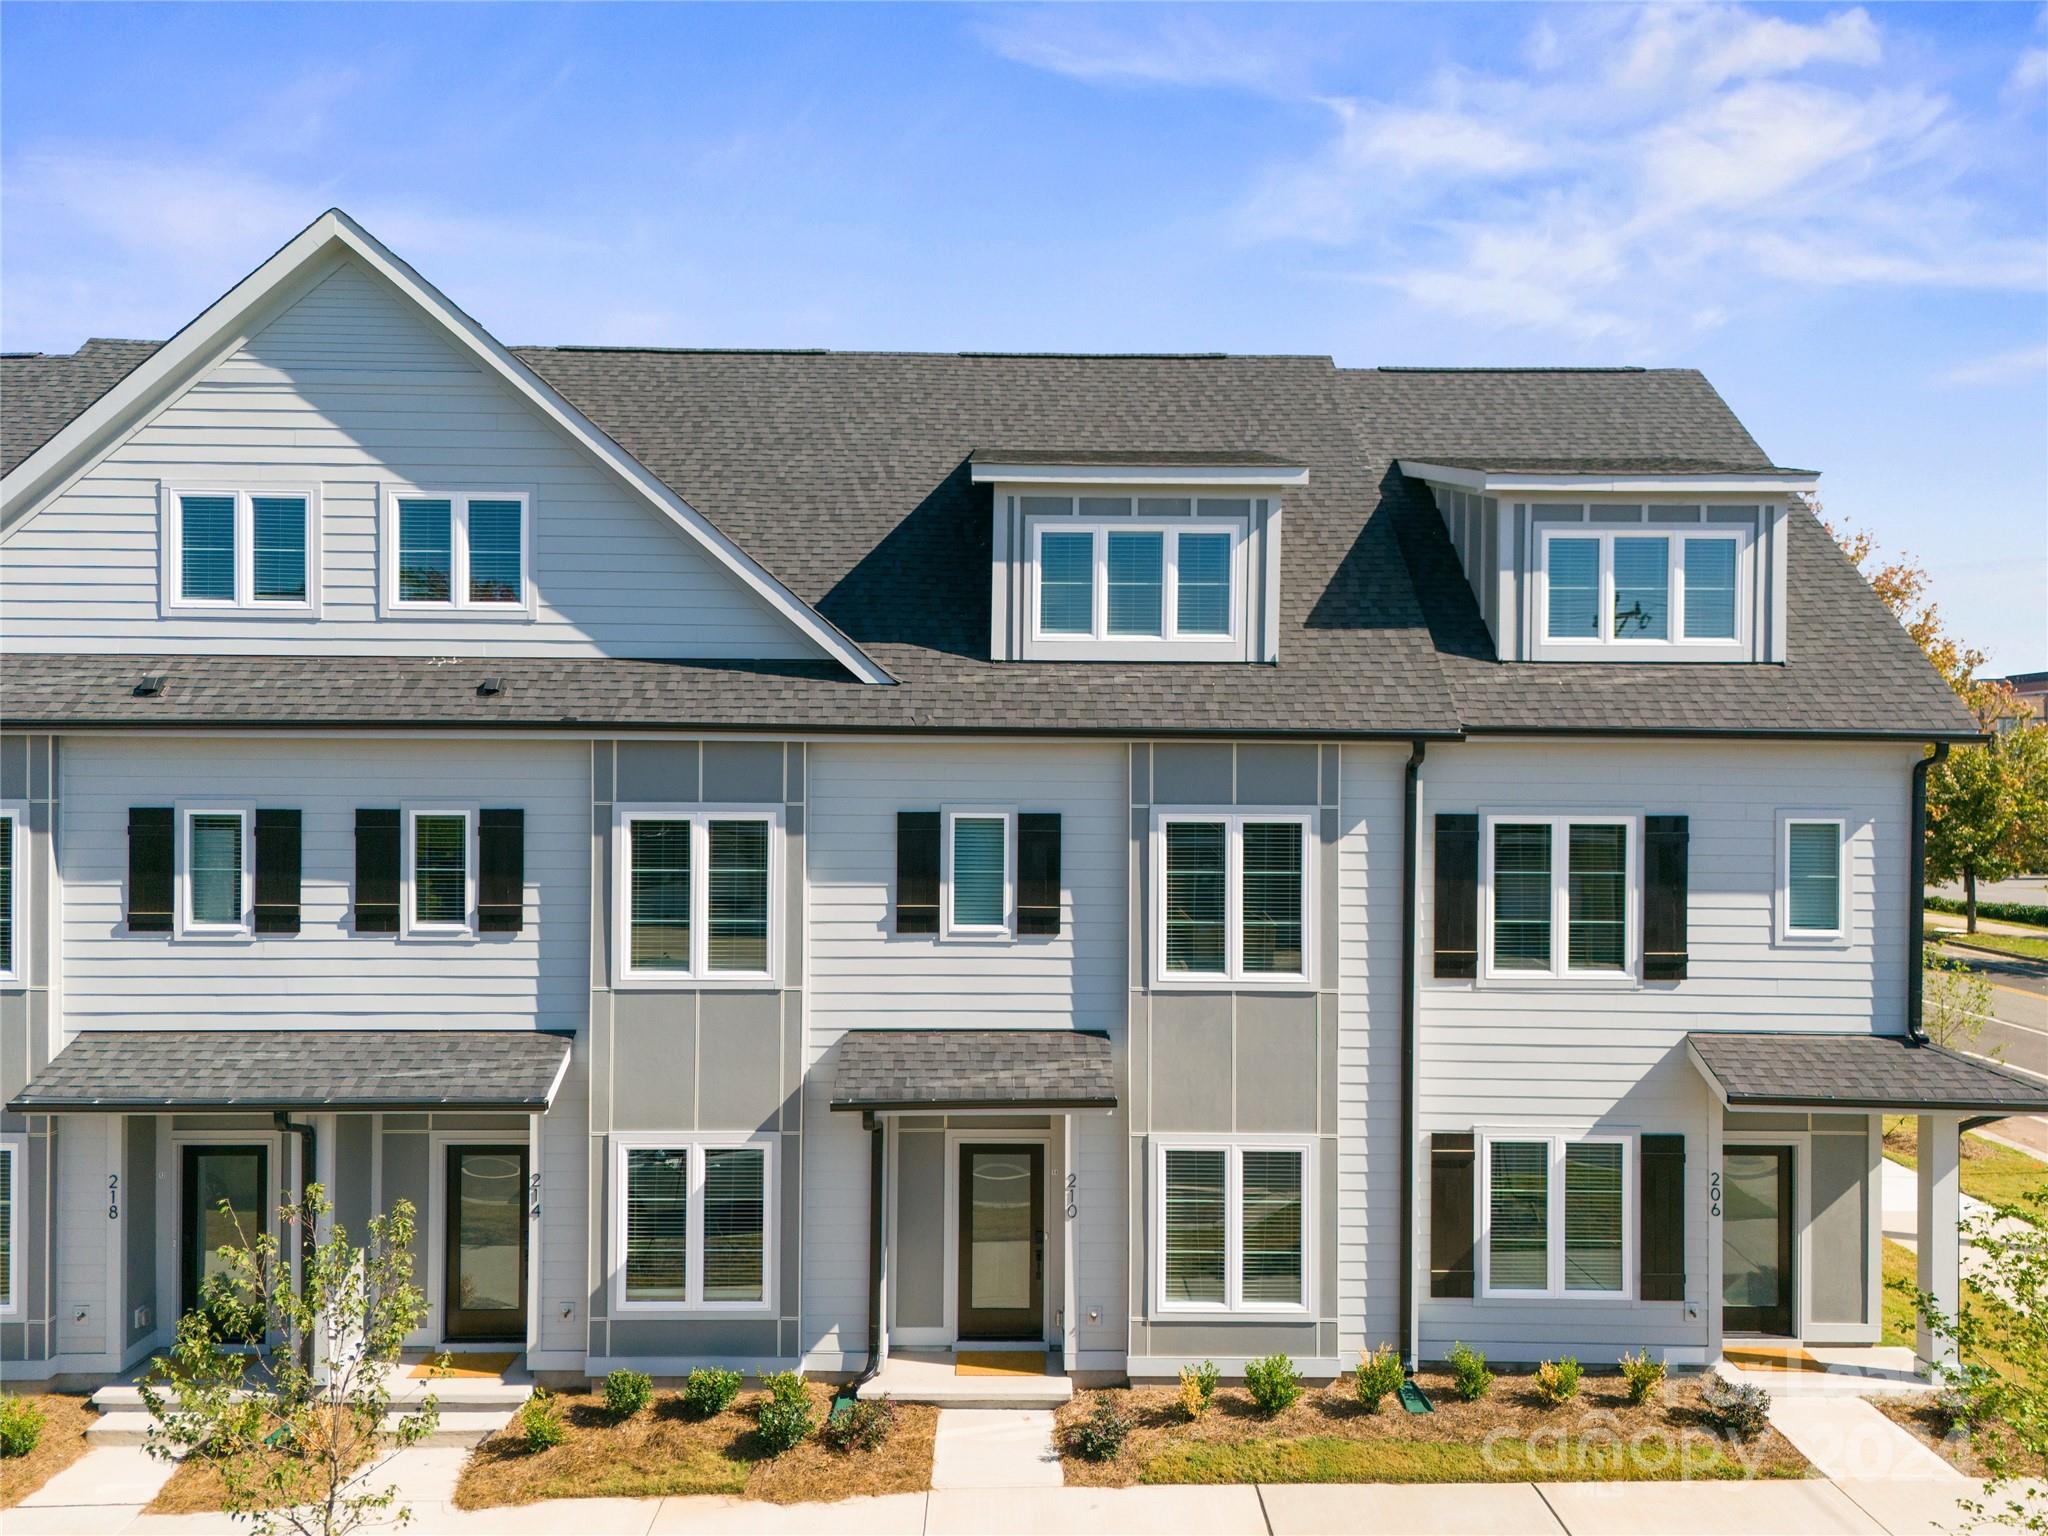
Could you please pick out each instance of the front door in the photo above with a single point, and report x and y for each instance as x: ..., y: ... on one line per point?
x: 226, y: 1205
x: 485, y: 1273
x: 1756, y: 1228
x: 1002, y: 1242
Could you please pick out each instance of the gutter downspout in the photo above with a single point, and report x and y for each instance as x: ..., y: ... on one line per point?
x: 1410, y: 867
x: 308, y: 1167
x: 878, y: 1133
x: 1916, y: 901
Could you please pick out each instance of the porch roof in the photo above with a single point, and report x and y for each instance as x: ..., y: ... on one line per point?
x: 309, y: 1069
x: 1784, y: 1068
x: 940, y: 1069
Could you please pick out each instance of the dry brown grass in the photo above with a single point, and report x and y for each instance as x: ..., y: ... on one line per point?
x: 198, y: 1486
x: 1917, y: 1414
x: 1330, y: 1412
x: 65, y: 1418
x: 660, y: 1451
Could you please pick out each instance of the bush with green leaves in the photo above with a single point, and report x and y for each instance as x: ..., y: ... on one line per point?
x: 1643, y: 1374
x: 861, y: 1426
x: 1102, y: 1434
x: 539, y: 1421
x: 1273, y: 1383
x: 1742, y: 1411
x: 709, y: 1391
x: 1557, y: 1381
x: 1470, y: 1378
x: 1379, y: 1373
x: 626, y: 1393
x: 785, y: 1419
x: 21, y: 1425
x: 1198, y: 1388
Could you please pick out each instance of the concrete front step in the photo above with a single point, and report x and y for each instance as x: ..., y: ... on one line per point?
x: 932, y: 1377
x: 126, y: 1397
x: 456, y: 1427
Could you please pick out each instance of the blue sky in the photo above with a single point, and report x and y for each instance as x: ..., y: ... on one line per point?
x: 1840, y: 214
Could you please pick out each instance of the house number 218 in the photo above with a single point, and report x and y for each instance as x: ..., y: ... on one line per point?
x: 1714, y: 1193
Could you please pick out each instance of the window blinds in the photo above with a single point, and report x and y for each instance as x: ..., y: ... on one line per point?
x: 494, y: 552
x: 1271, y: 1197
x: 1195, y: 1224
x: 214, y: 867
x: 660, y: 939
x: 1518, y: 1216
x: 440, y: 869
x: 737, y: 921
x: 1814, y: 877
x: 979, y: 850
x: 206, y: 543
x: 1272, y: 896
x: 657, y: 1224
x: 1597, y: 925
x: 1521, y: 896
x: 426, y: 557
x: 278, y: 538
x: 735, y: 1217
x: 1592, y: 1216
x: 1195, y: 893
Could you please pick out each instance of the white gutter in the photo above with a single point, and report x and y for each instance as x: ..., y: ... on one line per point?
x: 1779, y: 482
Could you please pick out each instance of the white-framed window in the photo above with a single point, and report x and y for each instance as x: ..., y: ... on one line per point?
x: 1560, y: 896
x: 14, y: 939
x: 697, y: 893
x: 978, y: 871
x: 437, y: 896
x: 466, y: 551
x: 1233, y: 897
x: 216, y: 876
x: 1813, y: 860
x: 1557, y: 1214
x: 245, y: 550
x: 13, y: 1180
x: 694, y: 1223
x: 1643, y: 584
x: 1169, y: 573
x: 1233, y: 1224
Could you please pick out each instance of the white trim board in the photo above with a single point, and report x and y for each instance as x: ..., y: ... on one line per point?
x: 1507, y: 482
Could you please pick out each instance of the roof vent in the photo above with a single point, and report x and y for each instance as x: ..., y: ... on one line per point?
x: 151, y: 686
x: 490, y: 688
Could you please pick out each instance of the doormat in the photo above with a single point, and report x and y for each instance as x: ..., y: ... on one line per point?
x: 999, y: 1362
x: 1771, y: 1357
x: 465, y: 1367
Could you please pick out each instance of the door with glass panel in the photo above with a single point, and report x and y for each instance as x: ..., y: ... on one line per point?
x: 485, y: 1270
x: 1756, y: 1237
x: 226, y: 1205
x: 1002, y: 1242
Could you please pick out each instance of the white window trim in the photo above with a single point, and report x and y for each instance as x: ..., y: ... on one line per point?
x: 948, y: 928
x: 1170, y: 529
x: 170, y: 544
x: 17, y: 908
x: 700, y: 976
x: 409, y: 926
x: 1554, y: 1221
x: 459, y: 601
x: 1560, y: 969
x: 187, y: 926
x: 1234, y: 1305
x: 696, y: 1145
x: 16, y: 1144
x: 1234, y: 976
x: 1838, y: 935
x: 1675, y: 535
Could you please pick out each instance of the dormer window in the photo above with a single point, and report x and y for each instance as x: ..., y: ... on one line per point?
x: 1671, y: 587
x: 1127, y: 577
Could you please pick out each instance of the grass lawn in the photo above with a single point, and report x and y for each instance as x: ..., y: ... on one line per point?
x: 1991, y: 1172
x: 63, y: 1442
x: 661, y: 1451
x: 1901, y: 1268
x: 1507, y: 1436
x: 2019, y: 946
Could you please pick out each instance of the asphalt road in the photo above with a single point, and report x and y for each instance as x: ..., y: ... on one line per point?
x: 2016, y: 1027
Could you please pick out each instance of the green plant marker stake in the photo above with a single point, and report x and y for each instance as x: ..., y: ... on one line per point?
x: 1413, y: 1400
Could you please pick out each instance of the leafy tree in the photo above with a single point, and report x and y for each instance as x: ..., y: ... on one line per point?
x: 295, y: 1424
x: 1957, y: 1000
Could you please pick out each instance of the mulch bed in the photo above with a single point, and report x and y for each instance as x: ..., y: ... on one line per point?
x: 66, y: 1418
x: 1917, y: 1414
x: 1601, y: 1415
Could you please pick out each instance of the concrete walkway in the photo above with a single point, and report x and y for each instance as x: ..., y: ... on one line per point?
x: 995, y: 1448
x: 1850, y: 1441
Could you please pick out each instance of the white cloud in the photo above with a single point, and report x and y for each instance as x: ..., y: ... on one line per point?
x: 2029, y: 72
x: 2000, y: 368
x: 1156, y: 47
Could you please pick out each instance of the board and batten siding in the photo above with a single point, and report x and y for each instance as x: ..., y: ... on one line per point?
x: 353, y: 390
x: 1538, y: 1054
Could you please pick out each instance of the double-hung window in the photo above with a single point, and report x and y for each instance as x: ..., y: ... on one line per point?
x: 1557, y: 1212
x: 1610, y: 587
x: 1233, y: 897
x: 1811, y: 899
x: 241, y: 550
x: 1160, y: 576
x: 440, y: 869
x: 458, y: 550
x: 695, y: 1222
x: 13, y: 1180
x: 696, y: 895
x: 13, y: 901
x: 1231, y: 1225
x: 1561, y: 896
x: 215, y: 871
x: 977, y: 872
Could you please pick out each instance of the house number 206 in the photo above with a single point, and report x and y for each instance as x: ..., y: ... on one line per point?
x: 1714, y: 1193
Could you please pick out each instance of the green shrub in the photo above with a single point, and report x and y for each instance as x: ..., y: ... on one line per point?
x: 1557, y: 1381
x: 862, y: 1427
x: 1470, y: 1378
x: 1379, y: 1373
x: 21, y: 1425
x: 786, y: 1387
x: 785, y: 1418
x: 626, y: 1393
x: 1274, y: 1384
x: 539, y: 1421
x: 1743, y: 1412
x: 1643, y: 1376
x: 708, y: 1391
x: 1102, y: 1434
x: 1197, y: 1388
x: 1997, y: 911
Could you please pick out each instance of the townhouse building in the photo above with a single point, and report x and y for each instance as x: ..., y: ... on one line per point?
x: 787, y: 859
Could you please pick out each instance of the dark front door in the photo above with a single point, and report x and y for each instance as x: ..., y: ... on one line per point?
x: 226, y: 1205
x: 1756, y: 1237
x: 485, y: 1271
x: 1002, y: 1242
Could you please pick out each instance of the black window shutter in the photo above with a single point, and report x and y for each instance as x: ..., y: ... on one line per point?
x: 501, y: 871
x: 1661, y: 1222
x: 917, y: 871
x: 150, y: 881
x: 1664, y: 877
x: 277, y: 871
x: 1038, y: 872
x: 1456, y: 907
x: 376, y: 871
x: 1450, y: 1214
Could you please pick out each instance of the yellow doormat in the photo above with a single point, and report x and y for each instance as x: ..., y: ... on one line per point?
x: 466, y: 1367
x: 1771, y: 1357
x: 999, y: 1362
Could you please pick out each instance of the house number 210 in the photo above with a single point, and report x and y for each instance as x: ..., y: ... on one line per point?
x: 1714, y: 1193
x: 1073, y: 1200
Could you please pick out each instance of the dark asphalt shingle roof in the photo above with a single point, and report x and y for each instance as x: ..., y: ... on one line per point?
x: 1758, y: 1069
x: 299, y: 1069
x: 40, y: 392
x: 973, y: 1068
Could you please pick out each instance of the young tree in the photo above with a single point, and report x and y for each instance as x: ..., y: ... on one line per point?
x: 1956, y: 1001
x: 297, y: 1441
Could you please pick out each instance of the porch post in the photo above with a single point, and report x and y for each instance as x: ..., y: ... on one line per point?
x: 1940, y: 1227
x: 532, y: 1198
x: 1070, y: 1236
